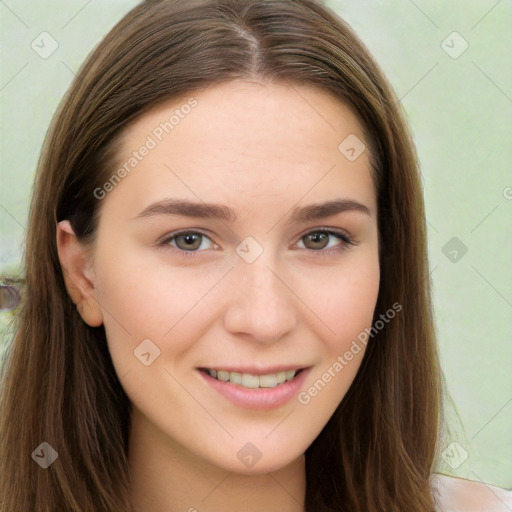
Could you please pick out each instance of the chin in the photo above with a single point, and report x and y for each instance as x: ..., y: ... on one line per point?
x: 249, y: 460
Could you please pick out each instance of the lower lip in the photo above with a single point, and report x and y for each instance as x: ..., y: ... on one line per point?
x: 259, y: 398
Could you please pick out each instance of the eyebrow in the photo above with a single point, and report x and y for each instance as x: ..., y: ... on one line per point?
x: 188, y: 208
x: 327, y: 209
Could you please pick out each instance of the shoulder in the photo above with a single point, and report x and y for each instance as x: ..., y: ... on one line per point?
x: 460, y: 495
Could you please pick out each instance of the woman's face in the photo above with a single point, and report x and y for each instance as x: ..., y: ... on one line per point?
x: 239, y: 243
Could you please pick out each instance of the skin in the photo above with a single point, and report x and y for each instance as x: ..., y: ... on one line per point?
x: 460, y: 495
x: 262, y: 150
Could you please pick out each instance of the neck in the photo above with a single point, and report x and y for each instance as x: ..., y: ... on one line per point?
x: 166, y: 477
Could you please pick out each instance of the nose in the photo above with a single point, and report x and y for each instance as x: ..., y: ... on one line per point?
x: 262, y: 307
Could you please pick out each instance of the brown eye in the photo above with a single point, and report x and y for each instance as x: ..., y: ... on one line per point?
x: 189, y: 241
x: 323, y: 241
x: 316, y: 241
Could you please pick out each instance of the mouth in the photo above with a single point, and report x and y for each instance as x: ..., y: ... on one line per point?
x: 255, y: 388
x: 251, y: 380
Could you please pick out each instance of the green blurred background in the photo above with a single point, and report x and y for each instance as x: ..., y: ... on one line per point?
x: 449, y: 63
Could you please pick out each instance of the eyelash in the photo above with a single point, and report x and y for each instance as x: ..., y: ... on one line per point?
x: 341, y: 235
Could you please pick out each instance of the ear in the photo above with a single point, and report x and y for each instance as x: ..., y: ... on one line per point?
x: 78, y: 274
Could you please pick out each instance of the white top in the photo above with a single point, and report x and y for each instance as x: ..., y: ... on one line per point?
x: 459, y: 495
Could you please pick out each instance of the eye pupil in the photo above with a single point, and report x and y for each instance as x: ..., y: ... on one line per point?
x: 188, y: 241
x: 318, y: 240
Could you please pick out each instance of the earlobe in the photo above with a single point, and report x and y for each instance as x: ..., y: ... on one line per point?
x: 77, y: 276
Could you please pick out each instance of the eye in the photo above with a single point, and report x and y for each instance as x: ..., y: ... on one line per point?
x: 324, y: 240
x: 190, y: 241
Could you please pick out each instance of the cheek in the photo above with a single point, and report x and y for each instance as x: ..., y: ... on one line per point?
x: 145, y: 298
x: 345, y: 304
x: 344, y: 299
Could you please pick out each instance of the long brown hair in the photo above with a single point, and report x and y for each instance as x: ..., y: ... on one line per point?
x: 59, y: 385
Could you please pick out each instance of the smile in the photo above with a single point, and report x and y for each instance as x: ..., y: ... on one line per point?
x: 251, y: 381
x: 258, y: 390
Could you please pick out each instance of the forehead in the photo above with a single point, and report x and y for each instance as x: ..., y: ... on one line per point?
x: 243, y: 142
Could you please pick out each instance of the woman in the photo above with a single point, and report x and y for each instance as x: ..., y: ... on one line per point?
x: 227, y: 299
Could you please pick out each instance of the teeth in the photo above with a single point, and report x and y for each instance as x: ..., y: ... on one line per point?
x: 250, y: 381
x: 281, y: 377
x: 235, y: 378
x: 268, y: 381
x: 247, y: 380
x: 222, y: 375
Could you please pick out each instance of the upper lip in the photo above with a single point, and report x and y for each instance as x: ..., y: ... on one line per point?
x: 255, y: 370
